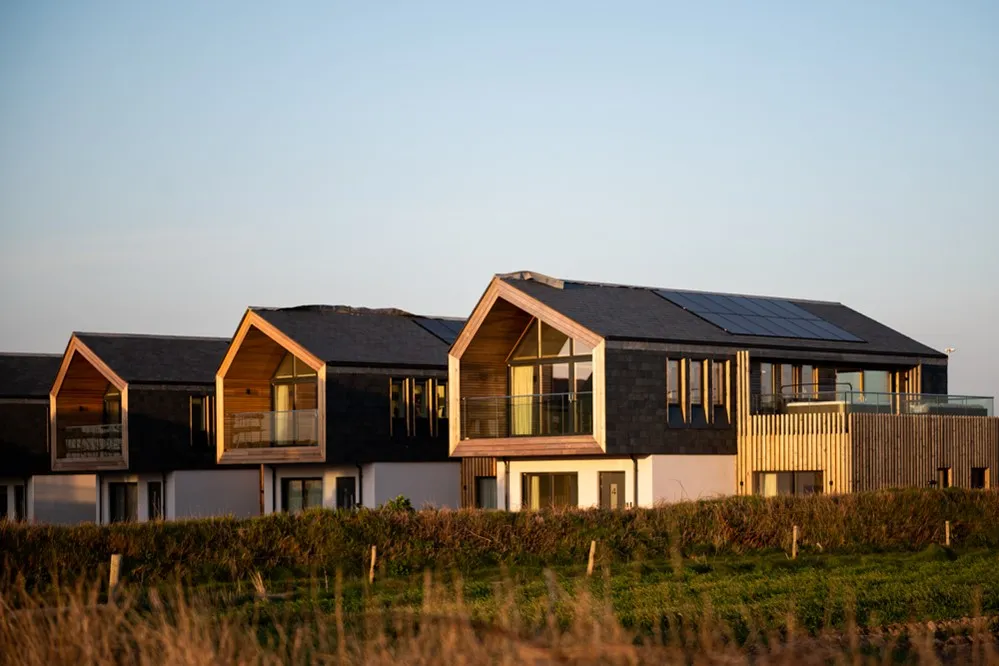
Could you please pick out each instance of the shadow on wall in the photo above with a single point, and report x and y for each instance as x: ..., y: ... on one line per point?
x: 65, y: 500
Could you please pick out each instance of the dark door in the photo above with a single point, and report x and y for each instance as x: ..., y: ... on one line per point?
x: 123, y: 500
x: 485, y: 492
x: 20, y: 503
x: 346, y: 492
x: 3, y: 502
x: 612, y: 490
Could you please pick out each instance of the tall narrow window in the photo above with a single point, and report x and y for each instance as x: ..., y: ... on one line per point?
x: 719, y: 391
x: 786, y: 380
x: 674, y: 414
x: 154, y: 494
x: 199, y: 420
x: 294, y: 403
x: 3, y: 503
x: 943, y: 477
x: 806, y: 383
x: 20, y: 503
x: 111, y: 410
x: 441, y: 399
x: 399, y: 407
x: 695, y: 385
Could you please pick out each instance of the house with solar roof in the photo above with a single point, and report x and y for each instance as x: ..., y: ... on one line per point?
x: 339, y: 406
x: 598, y: 395
x: 137, y: 412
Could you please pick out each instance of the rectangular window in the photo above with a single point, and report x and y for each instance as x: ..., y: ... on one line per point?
x: 200, y: 420
x: 3, y: 503
x: 123, y: 502
x: 398, y: 407
x: 719, y: 392
x: 421, y: 407
x: 773, y: 484
x: 695, y: 392
x: 485, y: 492
x: 154, y: 495
x: 542, y: 491
x: 806, y: 383
x: 943, y: 477
x: 20, y: 503
x: 301, y: 494
x: 980, y: 478
x: 674, y: 413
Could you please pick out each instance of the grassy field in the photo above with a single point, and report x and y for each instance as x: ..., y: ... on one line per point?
x: 923, y: 607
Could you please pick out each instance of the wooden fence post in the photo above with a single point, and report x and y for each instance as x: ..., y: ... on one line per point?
x: 794, y: 542
x: 371, y: 573
x: 593, y: 552
x: 947, y: 533
x: 114, y: 575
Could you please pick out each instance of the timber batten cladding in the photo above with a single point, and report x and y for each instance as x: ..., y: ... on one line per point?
x: 857, y: 452
x: 472, y: 469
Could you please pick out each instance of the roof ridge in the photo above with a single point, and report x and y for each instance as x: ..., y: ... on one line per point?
x: 533, y: 276
x: 151, y: 336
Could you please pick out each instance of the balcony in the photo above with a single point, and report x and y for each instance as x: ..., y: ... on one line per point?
x: 91, y: 443
x: 268, y: 430
x: 539, y: 415
x: 867, y: 402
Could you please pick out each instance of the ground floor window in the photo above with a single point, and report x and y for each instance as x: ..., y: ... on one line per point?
x: 301, y: 494
x: 346, y: 492
x: 612, y: 495
x: 541, y: 491
x: 3, y: 503
x: 123, y: 502
x: 980, y: 478
x: 154, y: 494
x: 771, y: 484
x: 485, y: 492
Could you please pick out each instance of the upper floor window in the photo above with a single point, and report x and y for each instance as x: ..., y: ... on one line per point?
x: 417, y: 405
x: 697, y: 391
x: 111, y: 408
x: 202, y: 419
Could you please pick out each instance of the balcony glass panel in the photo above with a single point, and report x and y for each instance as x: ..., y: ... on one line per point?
x: 254, y: 430
x: 91, y: 442
x: 549, y: 414
x: 873, y: 402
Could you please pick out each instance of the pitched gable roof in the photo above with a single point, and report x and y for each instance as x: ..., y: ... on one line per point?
x: 357, y: 336
x: 638, y: 313
x: 158, y: 359
x: 27, y: 375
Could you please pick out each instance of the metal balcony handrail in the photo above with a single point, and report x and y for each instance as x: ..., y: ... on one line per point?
x: 279, y: 428
x: 527, y: 415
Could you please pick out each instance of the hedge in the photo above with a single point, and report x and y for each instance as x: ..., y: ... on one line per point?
x: 226, y: 549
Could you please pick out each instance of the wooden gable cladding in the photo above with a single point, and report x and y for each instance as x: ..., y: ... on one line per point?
x: 858, y: 452
x: 77, y: 399
x: 477, y: 368
x: 243, y: 384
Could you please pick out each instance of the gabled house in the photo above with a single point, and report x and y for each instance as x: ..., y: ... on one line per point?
x: 590, y: 394
x: 339, y: 406
x: 138, y: 411
x: 27, y: 490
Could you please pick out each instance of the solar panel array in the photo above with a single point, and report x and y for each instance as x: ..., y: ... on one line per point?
x: 751, y: 315
x: 445, y: 329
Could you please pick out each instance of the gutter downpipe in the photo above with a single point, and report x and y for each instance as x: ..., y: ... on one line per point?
x: 360, y: 485
x: 634, y: 459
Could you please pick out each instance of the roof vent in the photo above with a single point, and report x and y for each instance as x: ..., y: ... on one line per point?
x: 555, y: 283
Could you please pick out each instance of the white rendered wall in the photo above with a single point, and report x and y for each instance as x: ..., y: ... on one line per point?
x: 205, y: 493
x: 425, y: 484
x: 677, y: 478
x: 62, y: 499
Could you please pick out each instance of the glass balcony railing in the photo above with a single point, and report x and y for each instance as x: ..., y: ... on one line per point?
x: 546, y: 414
x: 869, y: 402
x: 91, y: 442
x: 259, y: 430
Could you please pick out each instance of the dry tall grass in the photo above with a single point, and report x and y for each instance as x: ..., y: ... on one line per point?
x: 76, y: 628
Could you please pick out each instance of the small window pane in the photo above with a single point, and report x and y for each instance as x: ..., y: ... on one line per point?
x: 580, y: 348
x: 441, y: 399
x: 303, y: 370
x: 528, y: 347
x: 286, y: 369
x: 875, y: 381
x: 584, y: 377
x: 398, y: 398
x: 420, y: 405
x: 554, y: 342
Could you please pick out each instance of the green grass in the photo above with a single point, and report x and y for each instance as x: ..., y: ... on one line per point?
x: 752, y: 594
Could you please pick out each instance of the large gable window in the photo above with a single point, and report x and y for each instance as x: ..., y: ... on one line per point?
x: 551, y: 383
x: 294, y: 399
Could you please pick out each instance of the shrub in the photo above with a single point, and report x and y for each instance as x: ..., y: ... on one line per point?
x: 223, y: 549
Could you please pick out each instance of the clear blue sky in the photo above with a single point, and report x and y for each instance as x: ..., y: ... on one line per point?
x: 163, y: 165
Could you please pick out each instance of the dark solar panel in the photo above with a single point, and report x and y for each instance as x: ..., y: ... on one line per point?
x: 750, y: 315
x: 438, y: 328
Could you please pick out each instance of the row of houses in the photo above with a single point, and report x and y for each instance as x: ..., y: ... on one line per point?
x: 552, y: 393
